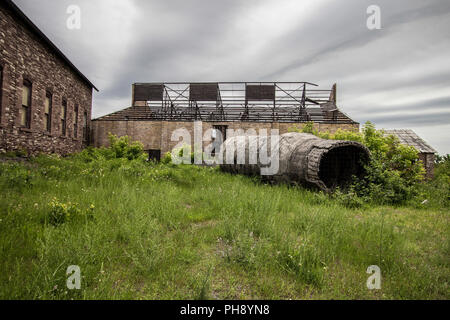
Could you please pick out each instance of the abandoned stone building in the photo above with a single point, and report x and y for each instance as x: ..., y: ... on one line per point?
x: 45, y: 101
x: 158, y: 109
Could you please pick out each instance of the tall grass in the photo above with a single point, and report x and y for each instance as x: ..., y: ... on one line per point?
x: 153, y: 231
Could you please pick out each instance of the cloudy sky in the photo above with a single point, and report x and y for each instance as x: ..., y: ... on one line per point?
x: 397, y: 77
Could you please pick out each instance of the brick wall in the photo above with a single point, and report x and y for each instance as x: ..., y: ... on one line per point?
x: 24, y: 56
x: 157, y: 134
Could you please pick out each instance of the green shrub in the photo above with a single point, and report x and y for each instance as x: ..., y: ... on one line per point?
x: 393, y: 172
x: 436, y: 193
x: 94, y: 154
x: 309, y: 128
x: 61, y: 212
x: 120, y: 148
x: 442, y: 168
x: 180, y: 153
x: 123, y: 148
x: 167, y: 159
x: 64, y: 212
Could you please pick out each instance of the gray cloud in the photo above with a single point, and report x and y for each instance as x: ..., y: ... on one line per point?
x: 398, y: 76
x: 424, y: 107
x: 409, y: 120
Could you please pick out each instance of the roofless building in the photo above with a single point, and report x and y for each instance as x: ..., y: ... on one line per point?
x: 157, y: 109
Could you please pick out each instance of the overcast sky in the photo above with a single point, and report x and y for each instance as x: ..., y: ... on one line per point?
x: 397, y: 77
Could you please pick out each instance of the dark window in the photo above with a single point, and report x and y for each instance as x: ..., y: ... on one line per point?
x: 85, y: 126
x: 154, y: 155
x: 219, y: 136
x: 63, y: 117
x: 25, y: 110
x: 48, y: 112
x: 75, y: 122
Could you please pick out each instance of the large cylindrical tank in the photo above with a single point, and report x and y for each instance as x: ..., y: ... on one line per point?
x: 303, y: 159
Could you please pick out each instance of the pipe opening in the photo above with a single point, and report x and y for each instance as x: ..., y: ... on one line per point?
x: 341, y: 163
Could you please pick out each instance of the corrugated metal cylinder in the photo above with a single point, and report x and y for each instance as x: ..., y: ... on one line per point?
x: 303, y: 159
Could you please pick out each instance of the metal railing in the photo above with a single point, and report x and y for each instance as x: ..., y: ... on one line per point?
x: 235, y: 101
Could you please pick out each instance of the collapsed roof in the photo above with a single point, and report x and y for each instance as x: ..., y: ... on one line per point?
x: 232, y: 101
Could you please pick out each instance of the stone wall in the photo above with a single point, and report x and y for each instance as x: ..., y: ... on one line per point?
x: 428, y: 160
x: 156, y: 135
x: 24, y: 56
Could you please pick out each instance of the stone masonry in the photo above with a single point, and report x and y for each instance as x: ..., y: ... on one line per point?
x: 156, y: 135
x: 27, y: 55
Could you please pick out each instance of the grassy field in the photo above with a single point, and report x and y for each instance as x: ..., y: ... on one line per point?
x: 147, y: 231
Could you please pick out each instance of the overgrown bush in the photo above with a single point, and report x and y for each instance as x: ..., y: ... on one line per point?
x: 167, y: 159
x: 124, y: 148
x: 393, y: 171
x: 436, y: 193
x: 442, y: 166
x: 95, y: 154
x: 120, y: 148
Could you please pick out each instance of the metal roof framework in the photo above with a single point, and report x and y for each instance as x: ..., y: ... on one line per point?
x: 235, y: 101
